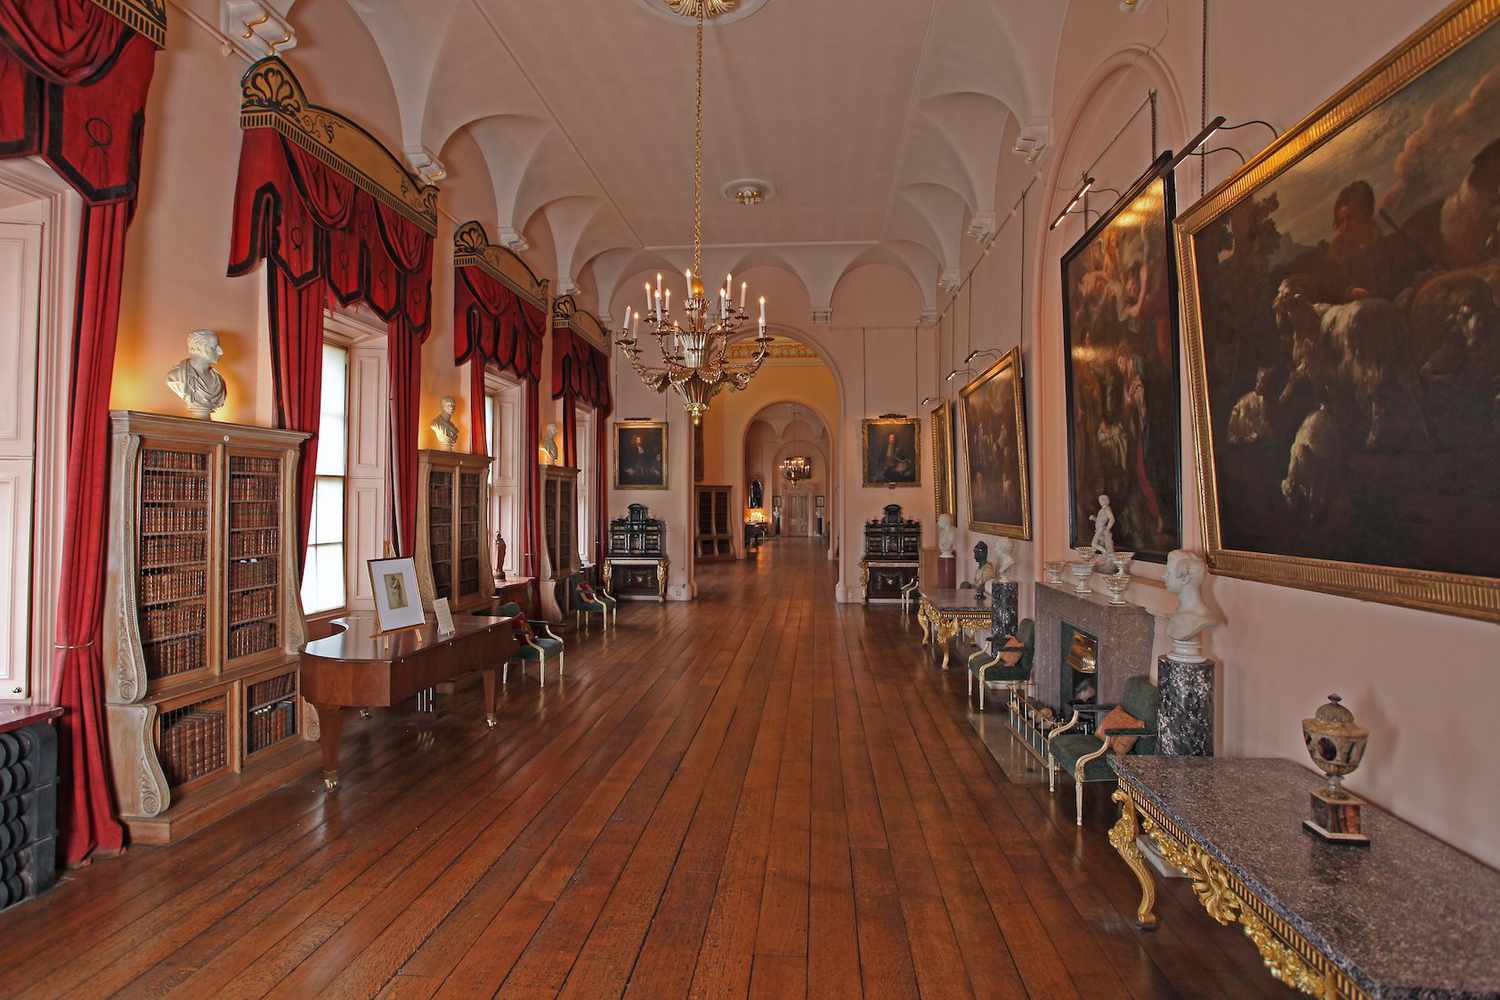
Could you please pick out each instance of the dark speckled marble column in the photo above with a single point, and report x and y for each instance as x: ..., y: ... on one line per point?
x: 1186, y: 717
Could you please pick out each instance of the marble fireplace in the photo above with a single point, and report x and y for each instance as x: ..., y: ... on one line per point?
x: 1105, y: 645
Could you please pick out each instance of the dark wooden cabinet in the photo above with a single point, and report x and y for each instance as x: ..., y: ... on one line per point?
x: 893, y: 553
x: 559, y: 539
x: 713, y: 536
x: 636, y: 565
x: 453, y: 559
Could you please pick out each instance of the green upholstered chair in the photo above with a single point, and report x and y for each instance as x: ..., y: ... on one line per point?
x: 586, y: 601
x: 1081, y: 755
x: 1010, y: 663
x: 537, y: 643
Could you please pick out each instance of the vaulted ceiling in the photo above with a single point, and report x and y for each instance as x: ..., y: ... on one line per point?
x: 879, y: 125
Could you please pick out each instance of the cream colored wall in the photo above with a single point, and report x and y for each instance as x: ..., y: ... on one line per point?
x: 1424, y: 683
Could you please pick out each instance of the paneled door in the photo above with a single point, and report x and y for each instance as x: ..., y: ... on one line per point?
x: 20, y: 288
x: 796, y: 515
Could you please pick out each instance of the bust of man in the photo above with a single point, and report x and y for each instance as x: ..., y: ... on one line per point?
x: 1184, y: 577
x: 549, y: 451
x: 193, y: 379
x: 1005, y: 558
x: 985, y: 573
x: 946, y: 533
x: 443, y: 427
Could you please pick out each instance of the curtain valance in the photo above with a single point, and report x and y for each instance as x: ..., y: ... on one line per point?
x: 580, y: 370
x: 499, y: 306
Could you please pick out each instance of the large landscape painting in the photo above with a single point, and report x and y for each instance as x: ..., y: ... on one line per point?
x: 1344, y: 333
x: 994, y: 430
x: 1120, y: 342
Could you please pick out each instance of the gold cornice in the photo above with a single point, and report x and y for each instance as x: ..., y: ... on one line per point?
x: 472, y: 248
x: 565, y: 312
x: 147, y: 18
x: 272, y: 97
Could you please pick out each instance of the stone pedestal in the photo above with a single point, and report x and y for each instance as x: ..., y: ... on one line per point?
x: 947, y: 574
x: 1186, y: 718
x: 1003, y: 602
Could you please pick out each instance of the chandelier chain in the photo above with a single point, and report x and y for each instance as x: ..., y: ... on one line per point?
x: 698, y: 159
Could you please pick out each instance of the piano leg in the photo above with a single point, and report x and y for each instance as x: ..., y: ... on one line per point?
x: 489, y: 698
x: 330, y: 728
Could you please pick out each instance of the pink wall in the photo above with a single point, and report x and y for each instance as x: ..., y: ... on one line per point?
x: 1425, y: 684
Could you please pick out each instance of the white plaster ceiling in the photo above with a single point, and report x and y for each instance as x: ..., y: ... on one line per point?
x: 879, y: 124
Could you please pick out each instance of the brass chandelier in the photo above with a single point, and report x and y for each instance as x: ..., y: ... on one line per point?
x: 694, y: 347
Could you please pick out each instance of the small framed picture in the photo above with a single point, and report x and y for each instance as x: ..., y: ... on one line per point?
x: 398, y: 604
x: 640, y: 454
x: 818, y: 502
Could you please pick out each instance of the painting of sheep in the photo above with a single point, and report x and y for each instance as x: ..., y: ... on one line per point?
x: 1343, y: 328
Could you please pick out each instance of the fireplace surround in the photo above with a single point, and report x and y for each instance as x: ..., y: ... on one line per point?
x: 1118, y: 638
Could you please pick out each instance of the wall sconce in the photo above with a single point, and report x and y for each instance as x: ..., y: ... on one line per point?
x: 955, y: 373
x: 928, y: 401
x: 976, y: 352
x: 1083, y: 189
x: 1198, y: 140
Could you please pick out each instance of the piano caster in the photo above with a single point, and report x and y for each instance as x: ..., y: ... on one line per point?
x: 489, y: 720
x: 331, y: 780
x: 364, y: 713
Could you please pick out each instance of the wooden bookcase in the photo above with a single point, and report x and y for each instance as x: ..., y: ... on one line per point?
x: 203, y: 612
x: 559, y: 538
x: 714, y: 533
x: 453, y: 558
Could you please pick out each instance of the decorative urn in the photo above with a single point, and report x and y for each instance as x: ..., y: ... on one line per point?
x: 1336, y: 744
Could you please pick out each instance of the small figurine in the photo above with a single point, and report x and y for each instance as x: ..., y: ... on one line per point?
x: 1005, y: 558
x: 1185, y: 572
x: 946, y: 533
x: 443, y: 427
x: 548, y: 451
x: 194, y: 380
x: 500, y: 550
x: 1104, y: 523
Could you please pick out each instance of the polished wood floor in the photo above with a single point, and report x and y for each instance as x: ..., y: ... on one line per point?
x: 761, y: 793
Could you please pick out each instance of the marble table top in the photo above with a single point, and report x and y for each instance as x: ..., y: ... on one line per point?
x: 960, y: 599
x: 1407, y: 916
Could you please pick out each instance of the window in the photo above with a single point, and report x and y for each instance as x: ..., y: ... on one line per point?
x: 583, y: 422
x: 503, y: 423
x: 324, y: 587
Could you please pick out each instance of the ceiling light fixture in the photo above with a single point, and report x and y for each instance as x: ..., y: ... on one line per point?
x: 694, y: 349
x: 747, y: 191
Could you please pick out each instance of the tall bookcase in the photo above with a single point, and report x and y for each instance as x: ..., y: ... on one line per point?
x: 559, y: 538
x: 453, y: 558
x: 204, y: 624
x: 714, y: 534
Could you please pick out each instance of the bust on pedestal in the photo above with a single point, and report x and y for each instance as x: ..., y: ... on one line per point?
x: 442, y: 426
x: 947, y: 562
x: 1185, y: 676
x: 193, y: 379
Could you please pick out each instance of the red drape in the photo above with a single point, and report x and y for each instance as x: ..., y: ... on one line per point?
x: 580, y: 374
x: 325, y: 237
x: 73, y: 85
x: 478, y: 444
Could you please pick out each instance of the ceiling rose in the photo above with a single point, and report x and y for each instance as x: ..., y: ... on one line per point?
x: 685, y: 12
x: 747, y: 191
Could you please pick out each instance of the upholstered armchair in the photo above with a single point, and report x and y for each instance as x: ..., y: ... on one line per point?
x: 537, y: 643
x: 588, y: 601
x: 1081, y: 755
x: 1008, y: 660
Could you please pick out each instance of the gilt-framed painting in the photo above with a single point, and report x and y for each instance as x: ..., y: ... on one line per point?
x: 944, y: 469
x: 993, y: 408
x: 892, y: 450
x: 640, y: 454
x: 1120, y: 350
x: 1342, y: 322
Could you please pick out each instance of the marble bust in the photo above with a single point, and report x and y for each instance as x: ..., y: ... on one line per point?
x: 193, y: 379
x: 548, y: 448
x: 443, y: 427
x: 1005, y: 558
x: 1186, y: 625
x: 946, y: 533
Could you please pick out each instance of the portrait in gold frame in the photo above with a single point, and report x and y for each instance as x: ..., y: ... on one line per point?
x: 1338, y: 159
x: 943, y: 470
x: 894, y: 460
x: 996, y: 460
x: 646, y: 456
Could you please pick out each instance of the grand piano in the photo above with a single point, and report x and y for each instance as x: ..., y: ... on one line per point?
x: 360, y: 667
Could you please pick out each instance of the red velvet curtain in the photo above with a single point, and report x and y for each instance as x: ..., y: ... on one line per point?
x: 73, y: 85
x: 324, y: 237
x: 478, y: 443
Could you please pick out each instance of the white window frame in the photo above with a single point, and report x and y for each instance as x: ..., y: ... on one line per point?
x: 342, y: 478
x: 367, y: 499
x: 505, y: 397
x: 583, y: 446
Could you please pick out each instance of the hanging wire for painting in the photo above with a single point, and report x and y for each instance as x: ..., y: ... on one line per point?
x: 989, y: 243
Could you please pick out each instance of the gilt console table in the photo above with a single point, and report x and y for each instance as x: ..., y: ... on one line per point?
x: 944, y: 614
x: 1408, y: 916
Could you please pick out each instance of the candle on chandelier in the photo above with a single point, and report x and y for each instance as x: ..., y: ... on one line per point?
x: 669, y: 303
x: 658, y: 305
x: 762, y: 310
x: 723, y: 303
x: 728, y: 285
x: 648, y: 296
x: 658, y: 282
x: 744, y: 286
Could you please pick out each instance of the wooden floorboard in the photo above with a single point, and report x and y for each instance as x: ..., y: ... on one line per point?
x: 761, y: 793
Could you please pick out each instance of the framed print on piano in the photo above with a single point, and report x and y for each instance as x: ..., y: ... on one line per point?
x: 398, y: 603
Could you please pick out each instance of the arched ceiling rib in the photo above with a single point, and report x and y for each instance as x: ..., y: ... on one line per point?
x: 887, y: 136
